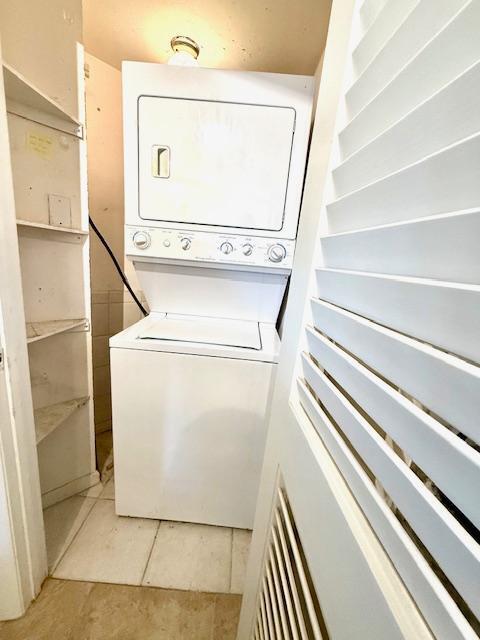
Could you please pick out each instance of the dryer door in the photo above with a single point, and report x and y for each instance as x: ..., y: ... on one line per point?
x: 213, y: 163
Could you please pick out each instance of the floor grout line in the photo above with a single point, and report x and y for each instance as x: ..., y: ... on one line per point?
x: 150, y: 554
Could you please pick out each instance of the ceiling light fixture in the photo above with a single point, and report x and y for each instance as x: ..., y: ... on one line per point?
x: 185, y: 50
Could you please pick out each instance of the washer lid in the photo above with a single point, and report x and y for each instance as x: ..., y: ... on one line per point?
x: 199, y: 329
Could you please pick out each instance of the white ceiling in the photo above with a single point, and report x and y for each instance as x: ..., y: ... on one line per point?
x: 284, y: 36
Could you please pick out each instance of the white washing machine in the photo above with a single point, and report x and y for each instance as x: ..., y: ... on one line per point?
x: 190, y: 396
x: 214, y: 166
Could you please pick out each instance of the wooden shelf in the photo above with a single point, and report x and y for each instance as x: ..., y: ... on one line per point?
x: 47, y: 419
x: 48, y: 227
x: 40, y: 330
x: 20, y: 90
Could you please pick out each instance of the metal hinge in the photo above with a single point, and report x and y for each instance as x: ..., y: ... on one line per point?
x: 1, y: 359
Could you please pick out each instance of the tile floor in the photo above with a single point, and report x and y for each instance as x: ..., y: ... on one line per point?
x: 67, y: 610
x: 87, y: 541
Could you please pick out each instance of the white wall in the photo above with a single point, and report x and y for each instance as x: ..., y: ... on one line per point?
x: 112, y: 306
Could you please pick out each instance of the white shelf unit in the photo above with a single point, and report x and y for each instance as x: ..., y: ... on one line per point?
x: 48, y: 159
x: 49, y: 418
x: 49, y: 228
x: 28, y: 101
x: 41, y: 330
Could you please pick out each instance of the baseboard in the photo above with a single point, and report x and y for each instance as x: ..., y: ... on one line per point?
x: 70, y: 489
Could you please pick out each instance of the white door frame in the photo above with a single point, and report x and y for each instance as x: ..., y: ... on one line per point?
x: 329, y: 91
x: 370, y: 578
x: 23, y: 562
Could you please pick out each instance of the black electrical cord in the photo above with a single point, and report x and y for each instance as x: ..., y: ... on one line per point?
x: 117, y: 266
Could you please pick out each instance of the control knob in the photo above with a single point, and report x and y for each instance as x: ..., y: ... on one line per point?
x: 226, y: 248
x: 142, y: 240
x: 247, y: 249
x: 185, y: 243
x: 276, y: 253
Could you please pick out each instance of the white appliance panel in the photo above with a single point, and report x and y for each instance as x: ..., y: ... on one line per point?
x: 238, y: 97
x: 217, y: 293
x: 214, y: 163
x: 233, y: 333
x: 260, y: 253
x: 241, y: 345
x: 189, y: 435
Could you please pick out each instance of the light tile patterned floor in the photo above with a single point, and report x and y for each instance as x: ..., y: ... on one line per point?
x: 62, y: 522
x: 86, y: 541
x: 191, y: 556
x: 108, y: 548
x: 240, y: 548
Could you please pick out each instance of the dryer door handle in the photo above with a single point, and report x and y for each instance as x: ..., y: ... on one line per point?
x: 160, y: 161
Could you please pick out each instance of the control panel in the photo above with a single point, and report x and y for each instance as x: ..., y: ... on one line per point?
x: 173, y: 244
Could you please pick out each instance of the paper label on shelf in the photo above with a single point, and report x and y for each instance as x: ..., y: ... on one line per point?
x: 40, y: 144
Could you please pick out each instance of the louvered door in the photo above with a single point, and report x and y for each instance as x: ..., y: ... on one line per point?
x: 385, y: 395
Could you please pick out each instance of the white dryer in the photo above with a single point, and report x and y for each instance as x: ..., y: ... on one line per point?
x: 214, y: 166
x: 190, y: 396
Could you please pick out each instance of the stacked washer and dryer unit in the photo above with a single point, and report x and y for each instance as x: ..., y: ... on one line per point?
x: 214, y: 169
